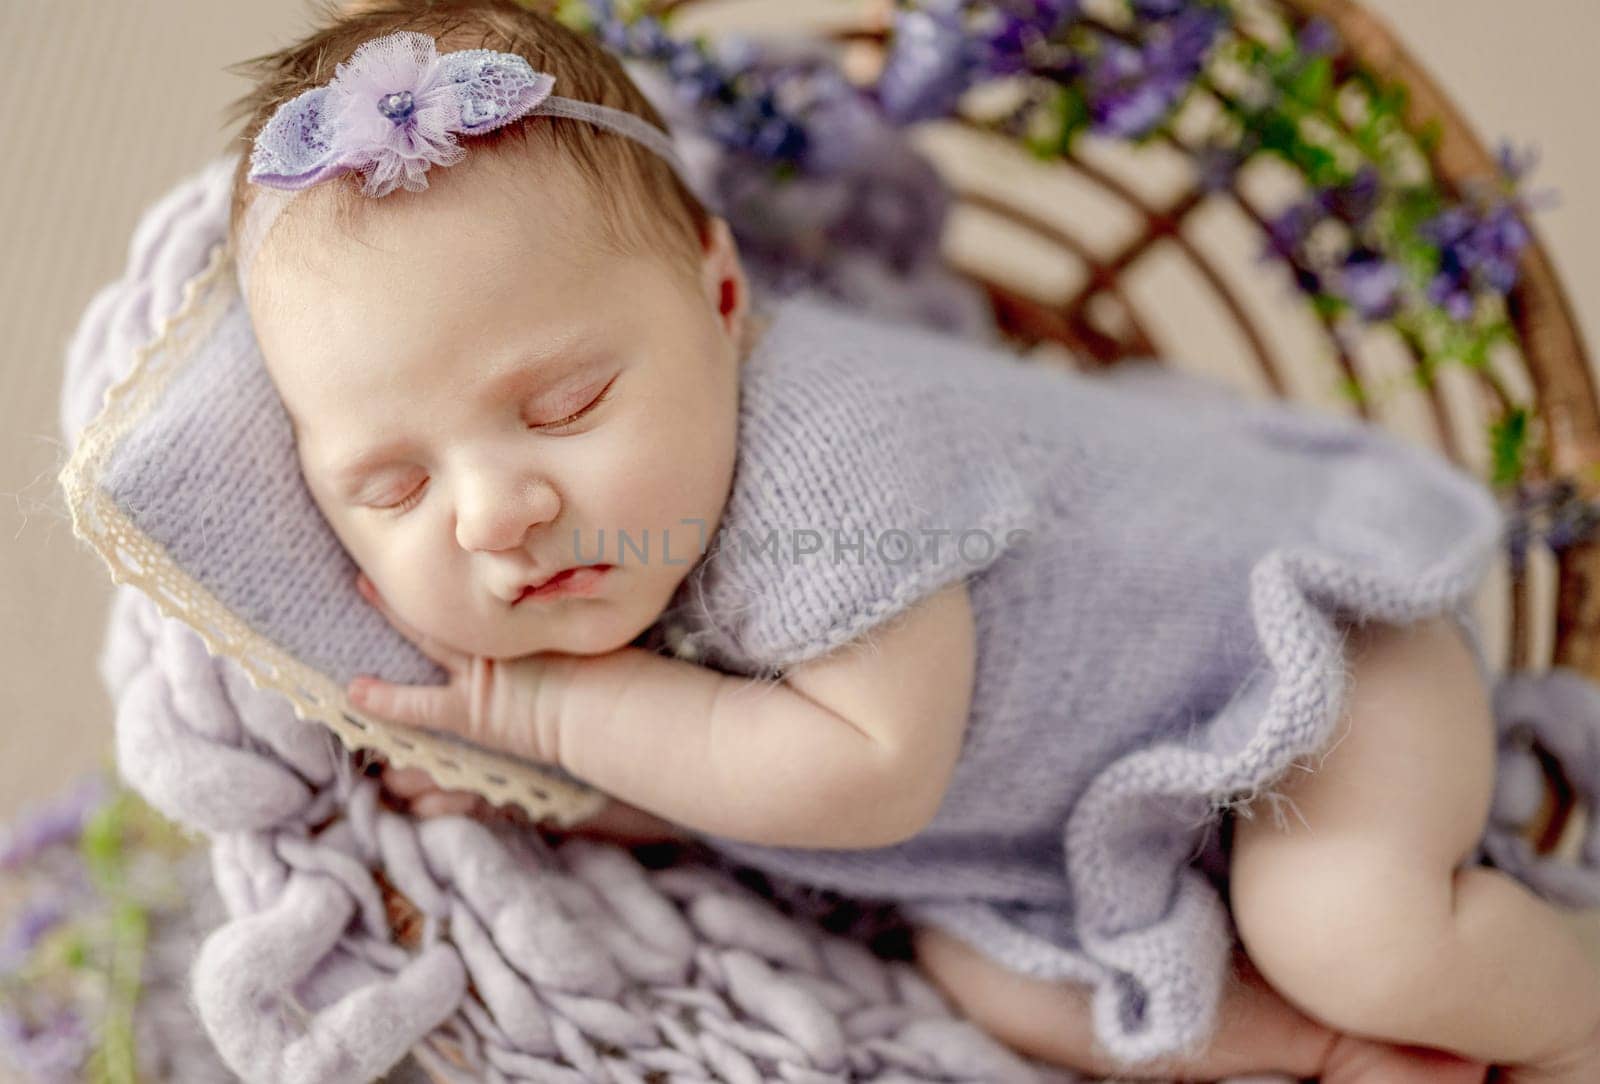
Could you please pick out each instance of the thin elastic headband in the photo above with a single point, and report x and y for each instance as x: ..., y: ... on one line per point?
x: 392, y: 111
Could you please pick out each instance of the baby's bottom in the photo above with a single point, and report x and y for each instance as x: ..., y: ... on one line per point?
x: 1362, y: 915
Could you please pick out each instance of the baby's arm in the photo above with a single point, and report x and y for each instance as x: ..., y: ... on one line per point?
x: 851, y: 750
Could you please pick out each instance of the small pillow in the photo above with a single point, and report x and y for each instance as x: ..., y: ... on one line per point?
x: 189, y: 486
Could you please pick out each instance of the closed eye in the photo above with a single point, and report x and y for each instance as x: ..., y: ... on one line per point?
x: 605, y: 393
x: 410, y: 500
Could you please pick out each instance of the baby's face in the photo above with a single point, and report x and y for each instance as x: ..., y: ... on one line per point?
x: 484, y: 397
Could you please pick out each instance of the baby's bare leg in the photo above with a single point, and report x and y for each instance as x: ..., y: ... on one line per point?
x: 1361, y: 916
x: 1257, y: 1031
x: 1052, y: 1021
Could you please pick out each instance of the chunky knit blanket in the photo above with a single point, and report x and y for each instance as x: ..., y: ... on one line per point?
x: 539, y: 961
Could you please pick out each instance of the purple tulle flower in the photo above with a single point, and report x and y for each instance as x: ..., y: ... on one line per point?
x: 392, y: 108
x: 392, y: 111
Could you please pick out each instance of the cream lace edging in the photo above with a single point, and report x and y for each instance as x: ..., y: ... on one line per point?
x: 136, y: 559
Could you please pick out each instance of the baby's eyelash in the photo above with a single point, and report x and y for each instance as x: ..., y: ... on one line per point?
x: 570, y: 418
x: 410, y: 501
x: 406, y: 504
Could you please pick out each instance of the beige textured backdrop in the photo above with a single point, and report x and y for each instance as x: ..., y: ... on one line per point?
x: 107, y: 105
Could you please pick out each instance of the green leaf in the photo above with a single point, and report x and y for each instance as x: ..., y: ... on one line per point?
x: 1072, y: 117
x: 101, y: 844
x: 1429, y: 134
x: 1313, y: 81
x: 1350, y: 387
x: 1508, y: 438
x: 1328, y: 306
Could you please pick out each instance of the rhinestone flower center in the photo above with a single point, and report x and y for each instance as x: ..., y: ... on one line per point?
x: 398, y: 107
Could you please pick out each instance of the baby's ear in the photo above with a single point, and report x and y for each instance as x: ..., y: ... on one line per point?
x: 722, y: 277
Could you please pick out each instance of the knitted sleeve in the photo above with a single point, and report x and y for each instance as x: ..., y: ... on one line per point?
x: 868, y: 478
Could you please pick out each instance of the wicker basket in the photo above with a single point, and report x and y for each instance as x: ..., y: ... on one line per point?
x: 1116, y: 252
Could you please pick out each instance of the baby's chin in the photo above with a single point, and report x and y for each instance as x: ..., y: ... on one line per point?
x: 575, y: 638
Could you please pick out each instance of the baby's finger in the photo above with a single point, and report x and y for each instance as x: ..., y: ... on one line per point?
x: 408, y: 782
x: 428, y: 707
x: 446, y: 803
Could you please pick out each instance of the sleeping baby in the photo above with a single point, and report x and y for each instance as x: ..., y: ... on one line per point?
x: 1160, y: 713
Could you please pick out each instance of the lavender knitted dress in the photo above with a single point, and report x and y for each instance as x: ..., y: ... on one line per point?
x: 1161, y: 574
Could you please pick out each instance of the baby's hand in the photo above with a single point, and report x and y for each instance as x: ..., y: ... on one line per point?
x: 415, y: 791
x: 505, y: 704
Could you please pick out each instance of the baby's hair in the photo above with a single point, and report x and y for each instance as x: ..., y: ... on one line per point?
x: 644, y: 203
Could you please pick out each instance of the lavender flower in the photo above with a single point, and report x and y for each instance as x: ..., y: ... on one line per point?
x: 738, y: 103
x: 1551, y: 512
x: 930, y: 63
x: 1158, y: 9
x: 1128, y: 99
x: 38, y: 918
x: 1317, y: 38
x: 54, y: 824
x: 1480, y: 242
x: 942, y: 47
x: 1370, y: 284
x: 51, y: 1050
x: 1132, y: 90
x: 1479, y: 250
x: 1515, y: 165
x: 1288, y: 230
x: 1354, y: 201
x: 1017, y: 36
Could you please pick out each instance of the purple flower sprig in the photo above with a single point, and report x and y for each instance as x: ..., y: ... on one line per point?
x: 57, y: 823
x: 50, y: 1045
x: 1352, y: 269
x: 85, y: 874
x: 1462, y: 253
x: 1132, y: 89
x: 741, y: 108
x: 1552, y: 513
x: 1480, y: 241
x: 1129, y: 79
x: 941, y: 48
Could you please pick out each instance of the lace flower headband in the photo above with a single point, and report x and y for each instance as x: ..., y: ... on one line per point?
x: 393, y: 110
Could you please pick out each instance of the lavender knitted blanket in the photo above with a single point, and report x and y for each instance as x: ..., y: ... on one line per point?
x: 576, y: 962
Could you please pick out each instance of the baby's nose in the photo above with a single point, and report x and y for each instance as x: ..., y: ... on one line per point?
x: 499, y: 517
